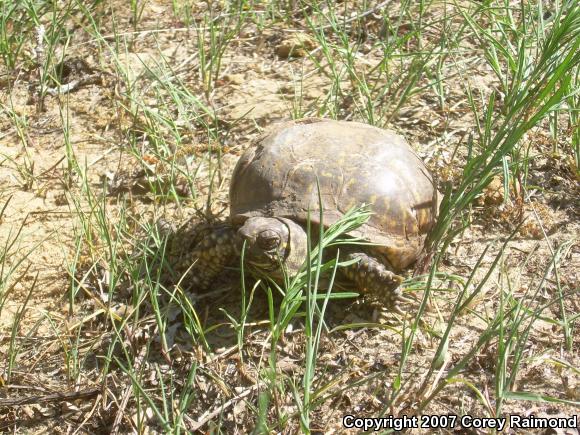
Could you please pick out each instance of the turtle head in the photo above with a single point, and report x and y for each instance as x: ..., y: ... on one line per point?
x: 273, y: 244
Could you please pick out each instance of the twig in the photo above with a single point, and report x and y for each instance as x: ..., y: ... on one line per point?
x: 358, y: 17
x: 88, y: 416
x: 121, y: 410
x: 127, y: 394
x: 56, y: 397
x: 92, y: 79
x: 195, y: 425
x: 40, y: 58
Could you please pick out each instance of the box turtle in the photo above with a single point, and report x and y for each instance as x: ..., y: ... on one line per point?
x: 274, y: 185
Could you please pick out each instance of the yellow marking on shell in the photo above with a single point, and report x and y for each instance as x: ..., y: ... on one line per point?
x: 351, y: 182
x: 352, y: 202
x: 386, y: 205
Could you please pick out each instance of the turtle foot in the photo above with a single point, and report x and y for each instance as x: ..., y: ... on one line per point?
x: 376, y: 280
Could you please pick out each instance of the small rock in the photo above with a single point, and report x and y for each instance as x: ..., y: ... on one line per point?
x: 297, y: 45
x: 234, y: 79
x: 493, y: 194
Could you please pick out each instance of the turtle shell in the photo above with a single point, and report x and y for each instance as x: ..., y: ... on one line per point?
x: 355, y: 164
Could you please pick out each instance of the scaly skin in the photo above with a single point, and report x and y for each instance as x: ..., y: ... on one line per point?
x: 204, y: 252
x: 376, y: 280
x: 220, y: 246
x: 214, y: 253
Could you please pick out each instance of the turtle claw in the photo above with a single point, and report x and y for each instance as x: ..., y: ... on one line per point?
x: 396, y: 309
x: 395, y: 299
x: 391, y: 292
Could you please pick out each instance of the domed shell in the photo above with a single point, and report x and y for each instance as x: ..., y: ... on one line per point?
x: 355, y: 163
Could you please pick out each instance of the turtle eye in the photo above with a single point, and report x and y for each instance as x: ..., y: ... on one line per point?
x: 268, y: 240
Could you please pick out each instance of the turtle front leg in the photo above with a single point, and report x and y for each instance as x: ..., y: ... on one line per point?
x: 375, y: 279
x: 215, y: 250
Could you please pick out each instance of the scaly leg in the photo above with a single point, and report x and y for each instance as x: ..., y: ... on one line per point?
x: 375, y: 279
x: 205, y: 253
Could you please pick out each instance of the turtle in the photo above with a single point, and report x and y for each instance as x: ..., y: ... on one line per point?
x: 279, y: 183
